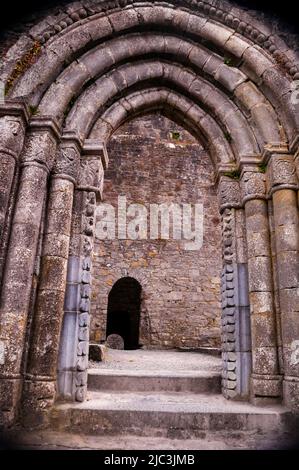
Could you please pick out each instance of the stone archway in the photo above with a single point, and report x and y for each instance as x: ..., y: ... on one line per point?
x: 225, y: 77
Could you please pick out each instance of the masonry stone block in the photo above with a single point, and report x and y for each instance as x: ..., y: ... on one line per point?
x: 265, y: 360
x: 288, y: 266
x: 259, y: 274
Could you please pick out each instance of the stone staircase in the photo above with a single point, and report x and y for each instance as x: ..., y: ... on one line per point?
x: 151, y: 403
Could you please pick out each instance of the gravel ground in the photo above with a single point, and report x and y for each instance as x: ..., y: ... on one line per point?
x: 162, y: 361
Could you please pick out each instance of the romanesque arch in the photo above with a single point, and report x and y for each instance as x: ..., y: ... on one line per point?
x: 225, y: 77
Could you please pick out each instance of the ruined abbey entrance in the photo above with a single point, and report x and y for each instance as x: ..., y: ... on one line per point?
x: 72, y: 81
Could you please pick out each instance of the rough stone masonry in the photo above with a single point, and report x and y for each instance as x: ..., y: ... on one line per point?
x: 180, y: 289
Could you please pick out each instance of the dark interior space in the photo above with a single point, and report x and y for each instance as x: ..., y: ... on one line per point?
x: 123, y: 315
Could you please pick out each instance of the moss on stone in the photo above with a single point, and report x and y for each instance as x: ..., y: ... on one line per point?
x: 22, y: 65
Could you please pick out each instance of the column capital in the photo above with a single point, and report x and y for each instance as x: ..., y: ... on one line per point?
x: 68, y: 157
x: 281, y: 173
x: 228, y: 193
x: 40, y: 148
x: 14, y: 117
x: 253, y: 184
x: 94, y: 161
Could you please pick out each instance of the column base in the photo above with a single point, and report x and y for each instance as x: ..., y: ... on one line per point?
x: 10, y: 394
x: 37, y: 401
x: 265, y: 389
x: 291, y: 393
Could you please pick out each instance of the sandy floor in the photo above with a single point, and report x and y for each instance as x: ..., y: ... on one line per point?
x: 162, y: 361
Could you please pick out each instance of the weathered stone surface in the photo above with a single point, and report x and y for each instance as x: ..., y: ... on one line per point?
x: 267, y: 387
x: 260, y: 279
x: 265, y: 360
x: 97, y: 352
x: 115, y: 342
x: 229, y: 81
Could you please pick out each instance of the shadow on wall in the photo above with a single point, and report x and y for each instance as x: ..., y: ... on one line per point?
x: 123, y: 314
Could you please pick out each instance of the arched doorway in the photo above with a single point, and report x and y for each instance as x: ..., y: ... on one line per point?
x: 221, y: 76
x: 123, y: 313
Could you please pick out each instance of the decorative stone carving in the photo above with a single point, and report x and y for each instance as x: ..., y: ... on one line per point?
x: 228, y: 193
x: 11, y: 135
x: 222, y: 14
x: 228, y: 320
x: 228, y: 236
x: 67, y: 162
x: 282, y: 172
x: 253, y: 185
x: 85, y: 294
x: 40, y: 147
x: 91, y: 175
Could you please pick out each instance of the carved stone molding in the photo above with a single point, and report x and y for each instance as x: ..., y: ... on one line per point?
x: 282, y: 173
x: 16, y: 108
x: 75, y: 13
x: 253, y: 185
x: 85, y: 294
x: 228, y: 236
x: 228, y: 193
x: 45, y: 124
x: 97, y: 149
x: 228, y: 338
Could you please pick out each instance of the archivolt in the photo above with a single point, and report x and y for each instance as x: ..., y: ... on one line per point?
x: 172, y: 105
x: 72, y: 41
x: 200, y: 60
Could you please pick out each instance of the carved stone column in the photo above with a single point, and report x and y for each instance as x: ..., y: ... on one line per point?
x: 236, y: 343
x: 74, y: 345
x: 38, y: 157
x: 266, y: 381
x: 13, y: 121
x: 283, y: 184
x: 40, y: 382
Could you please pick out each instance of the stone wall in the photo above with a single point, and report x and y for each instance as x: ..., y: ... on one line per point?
x: 180, y: 288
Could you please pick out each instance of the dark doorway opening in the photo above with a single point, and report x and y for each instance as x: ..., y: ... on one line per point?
x: 123, y: 314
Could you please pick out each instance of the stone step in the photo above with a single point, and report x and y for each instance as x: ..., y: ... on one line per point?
x: 171, y: 415
x: 215, y: 440
x: 151, y: 381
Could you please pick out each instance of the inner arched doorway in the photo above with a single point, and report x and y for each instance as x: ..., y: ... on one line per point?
x: 123, y: 312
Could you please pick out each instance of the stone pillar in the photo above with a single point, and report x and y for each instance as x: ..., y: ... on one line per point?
x: 284, y: 187
x: 236, y: 344
x: 13, y: 122
x: 266, y: 382
x: 74, y: 344
x: 39, y: 153
x: 40, y: 381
